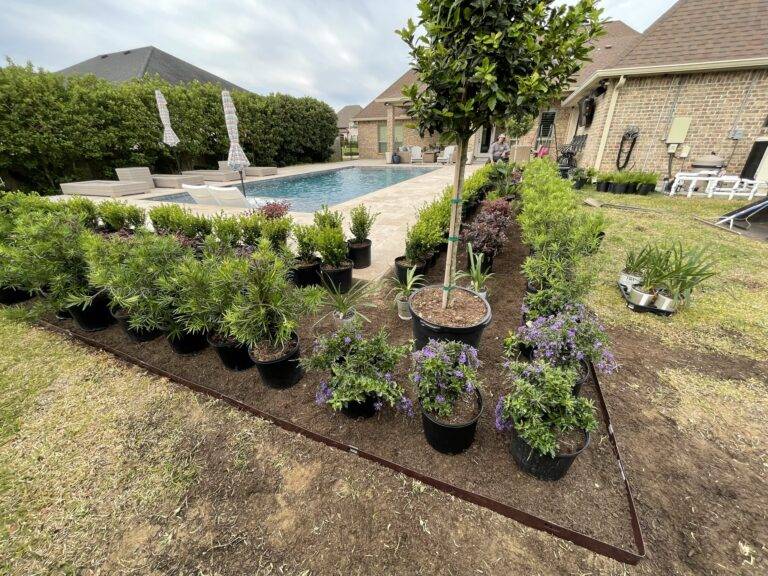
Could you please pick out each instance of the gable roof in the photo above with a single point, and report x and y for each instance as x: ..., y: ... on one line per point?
x: 377, y: 109
x: 136, y: 63
x: 345, y: 115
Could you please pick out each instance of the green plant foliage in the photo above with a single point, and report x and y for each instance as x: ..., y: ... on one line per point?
x: 327, y: 218
x: 227, y: 230
x: 277, y: 230
x: 119, y: 216
x: 306, y: 241
x: 173, y: 219
x: 404, y: 288
x: 332, y: 246
x: 476, y: 275
x: 362, y: 222
x: 348, y: 304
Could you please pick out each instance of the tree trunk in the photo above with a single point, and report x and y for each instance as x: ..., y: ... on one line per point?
x: 453, y: 233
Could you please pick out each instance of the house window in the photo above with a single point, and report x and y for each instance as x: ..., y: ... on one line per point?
x: 399, y: 131
x: 382, y: 131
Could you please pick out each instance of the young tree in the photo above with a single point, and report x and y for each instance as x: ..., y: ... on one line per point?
x: 485, y: 61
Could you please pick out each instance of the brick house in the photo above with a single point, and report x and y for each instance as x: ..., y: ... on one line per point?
x: 345, y: 122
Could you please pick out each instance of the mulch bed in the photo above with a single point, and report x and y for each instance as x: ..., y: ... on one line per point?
x: 465, y: 309
x: 590, y: 499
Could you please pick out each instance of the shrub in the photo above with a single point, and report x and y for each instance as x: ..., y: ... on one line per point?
x: 360, y: 367
x: 227, y: 231
x: 332, y: 246
x: 121, y: 217
x: 277, y: 230
x: 173, y: 219
x: 275, y: 209
x: 306, y: 241
x: 418, y: 243
x: 326, y: 218
x: 442, y: 373
x: 542, y: 407
x: 362, y: 222
x: 251, y: 225
x: 487, y: 232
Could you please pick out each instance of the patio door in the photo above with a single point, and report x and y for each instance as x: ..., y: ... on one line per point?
x: 484, y: 138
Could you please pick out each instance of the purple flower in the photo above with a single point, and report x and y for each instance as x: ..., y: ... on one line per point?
x: 378, y: 405
x: 469, y: 388
x: 462, y: 358
x: 429, y: 353
x: 405, y: 406
x: 388, y: 377
x: 439, y: 398
x: 323, y: 394
x: 458, y: 373
x: 347, y: 340
x: 502, y: 424
x: 417, y: 377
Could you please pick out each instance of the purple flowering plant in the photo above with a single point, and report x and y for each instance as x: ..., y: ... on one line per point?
x: 541, y: 406
x: 567, y: 338
x: 442, y: 372
x: 360, y: 367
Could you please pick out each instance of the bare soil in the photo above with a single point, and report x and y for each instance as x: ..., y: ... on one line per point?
x: 266, y: 352
x: 464, y: 410
x: 465, y: 309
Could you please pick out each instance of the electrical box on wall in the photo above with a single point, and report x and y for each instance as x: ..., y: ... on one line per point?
x: 684, y: 151
x: 678, y: 130
x: 736, y: 134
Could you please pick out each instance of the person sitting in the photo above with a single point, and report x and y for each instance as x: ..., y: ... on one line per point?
x: 499, y: 150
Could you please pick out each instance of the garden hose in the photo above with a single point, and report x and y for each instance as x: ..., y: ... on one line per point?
x: 629, y: 136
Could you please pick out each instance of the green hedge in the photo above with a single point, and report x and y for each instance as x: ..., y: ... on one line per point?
x: 55, y: 129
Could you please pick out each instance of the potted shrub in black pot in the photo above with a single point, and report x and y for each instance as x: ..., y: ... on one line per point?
x: 647, y: 183
x: 336, y: 269
x: 361, y: 372
x: 487, y: 232
x: 417, y: 249
x: 190, y: 229
x: 360, y: 245
x: 445, y: 375
x: 306, y: 268
x: 265, y: 315
x: 14, y: 287
x: 549, y: 427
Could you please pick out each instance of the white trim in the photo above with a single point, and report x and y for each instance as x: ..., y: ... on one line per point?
x: 608, y: 122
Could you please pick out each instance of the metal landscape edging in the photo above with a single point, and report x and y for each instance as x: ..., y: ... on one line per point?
x: 530, y: 520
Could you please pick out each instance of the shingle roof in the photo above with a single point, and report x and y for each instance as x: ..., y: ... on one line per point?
x: 378, y: 109
x: 345, y: 115
x: 136, y: 63
x: 703, y: 31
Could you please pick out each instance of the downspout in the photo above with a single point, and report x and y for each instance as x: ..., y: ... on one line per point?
x: 608, y: 122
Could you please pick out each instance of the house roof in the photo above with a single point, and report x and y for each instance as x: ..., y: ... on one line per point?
x: 345, y: 115
x: 130, y: 64
x: 377, y: 109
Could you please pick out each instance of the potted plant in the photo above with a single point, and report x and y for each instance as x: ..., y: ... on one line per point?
x: 579, y: 178
x: 265, y: 314
x: 327, y: 218
x: 549, y: 427
x: 477, y: 275
x: 417, y: 249
x: 120, y: 217
x: 445, y: 375
x: 361, y: 372
x: 403, y: 291
x: 632, y: 181
x: 687, y: 270
x: 306, y: 268
x: 345, y: 306
x: 619, y: 180
x: 634, y: 267
x: 336, y: 269
x: 656, y: 270
x: 647, y: 183
x: 360, y: 244
x: 487, y: 234
x: 190, y: 229
x: 603, y: 181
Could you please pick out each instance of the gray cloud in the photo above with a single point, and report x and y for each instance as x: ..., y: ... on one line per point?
x: 338, y: 50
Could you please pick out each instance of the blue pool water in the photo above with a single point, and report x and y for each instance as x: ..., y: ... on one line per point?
x: 309, y: 192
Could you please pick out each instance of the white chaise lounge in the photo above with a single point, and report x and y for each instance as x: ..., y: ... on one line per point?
x: 106, y: 188
x: 142, y: 174
x: 251, y: 170
x: 214, y: 175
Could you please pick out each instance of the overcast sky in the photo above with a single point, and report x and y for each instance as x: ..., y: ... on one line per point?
x: 342, y: 51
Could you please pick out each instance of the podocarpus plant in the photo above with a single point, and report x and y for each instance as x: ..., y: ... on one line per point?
x: 173, y: 219
x: 306, y: 242
x: 361, y: 223
x: 479, y: 64
x: 327, y: 218
x: 361, y: 369
x: 541, y: 407
x: 121, y: 217
x: 443, y: 372
x: 332, y: 246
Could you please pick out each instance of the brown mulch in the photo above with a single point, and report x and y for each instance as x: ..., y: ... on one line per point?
x: 464, y: 310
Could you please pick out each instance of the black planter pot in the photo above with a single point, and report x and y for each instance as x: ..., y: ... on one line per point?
x: 364, y: 409
x: 360, y: 254
x: 304, y: 275
x: 282, y: 372
x: 187, y: 344
x: 610, y: 187
x: 137, y: 335
x: 401, y: 269
x: 578, y: 184
x: 543, y: 467
x: 94, y: 317
x: 631, y: 188
x: 10, y: 296
x: 526, y: 351
x: 646, y: 189
x: 339, y: 279
x: 234, y: 356
x: 530, y: 288
x: 423, y: 331
x: 620, y: 188
x: 63, y: 314
x: 601, y: 186
x: 451, y: 438
x: 487, y: 263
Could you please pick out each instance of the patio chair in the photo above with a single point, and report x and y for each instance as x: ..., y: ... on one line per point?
x: 251, y: 170
x: 231, y: 197
x: 142, y: 174
x: 416, y: 154
x: 688, y: 182
x: 214, y: 175
x: 733, y: 187
x: 446, y: 157
x: 105, y: 188
x: 200, y: 194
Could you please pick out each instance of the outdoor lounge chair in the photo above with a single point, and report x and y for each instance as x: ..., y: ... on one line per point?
x: 200, y: 194
x: 106, y: 188
x: 416, y: 154
x: 447, y: 155
x: 142, y: 174
x: 251, y: 170
x: 214, y: 175
x: 231, y: 197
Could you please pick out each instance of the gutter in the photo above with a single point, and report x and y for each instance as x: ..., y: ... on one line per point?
x: 608, y: 122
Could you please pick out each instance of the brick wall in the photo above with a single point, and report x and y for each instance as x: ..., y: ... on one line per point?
x: 368, y: 138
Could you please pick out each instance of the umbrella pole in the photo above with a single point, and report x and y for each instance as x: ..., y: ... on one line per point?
x: 242, y: 182
x: 178, y: 162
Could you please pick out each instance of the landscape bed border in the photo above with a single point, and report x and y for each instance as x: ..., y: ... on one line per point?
x: 525, y: 518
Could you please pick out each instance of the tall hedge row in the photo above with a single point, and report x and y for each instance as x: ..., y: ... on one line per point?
x: 55, y: 129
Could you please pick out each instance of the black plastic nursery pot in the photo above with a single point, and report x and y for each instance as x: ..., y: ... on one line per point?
x: 543, y: 467
x: 282, y: 372
x: 401, y: 268
x: 619, y: 188
x: 135, y: 334
x: 233, y: 355
x: 451, y: 438
x: 10, y: 296
x: 631, y: 188
x: 364, y: 409
x: 601, y: 186
x: 186, y: 344
x: 610, y: 187
x: 578, y: 184
x: 360, y: 253
x: 95, y: 316
x: 424, y: 330
x: 306, y: 274
x: 645, y: 189
x: 339, y: 279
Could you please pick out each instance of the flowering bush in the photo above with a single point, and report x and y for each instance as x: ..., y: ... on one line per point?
x: 275, y: 209
x: 442, y: 372
x: 541, y: 406
x: 360, y: 367
x: 567, y: 338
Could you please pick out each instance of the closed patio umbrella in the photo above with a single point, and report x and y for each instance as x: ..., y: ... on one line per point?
x: 169, y: 136
x: 237, y: 160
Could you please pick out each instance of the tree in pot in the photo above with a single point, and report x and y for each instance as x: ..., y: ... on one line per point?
x: 306, y: 268
x: 361, y: 372
x: 265, y: 316
x: 477, y: 275
x: 445, y: 375
x: 403, y: 291
x: 476, y: 65
x: 360, y: 245
x: 549, y: 426
x: 336, y: 269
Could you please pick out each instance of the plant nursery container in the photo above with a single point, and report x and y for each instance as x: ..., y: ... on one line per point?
x: 451, y: 438
x: 665, y: 303
x: 282, y: 372
x: 339, y: 279
x: 629, y: 281
x: 10, y: 296
x: 233, y: 355
x: 306, y: 274
x: 403, y: 309
x: 186, y: 344
x: 631, y: 187
x: 401, y: 269
x: 94, y: 317
x: 135, y: 334
x: 601, y: 186
x: 364, y: 409
x: 640, y: 298
x: 360, y: 253
x: 543, y: 467
x: 424, y: 330
x: 619, y: 188
x: 646, y: 189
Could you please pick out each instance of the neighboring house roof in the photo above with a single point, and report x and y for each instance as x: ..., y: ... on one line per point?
x: 139, y: 62
x: 346, y: 114
x: 377, y: 110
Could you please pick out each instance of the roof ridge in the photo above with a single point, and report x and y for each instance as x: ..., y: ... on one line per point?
x: 150, y: 52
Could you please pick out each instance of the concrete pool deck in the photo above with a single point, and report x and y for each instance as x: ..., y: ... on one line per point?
x: 396, y: 206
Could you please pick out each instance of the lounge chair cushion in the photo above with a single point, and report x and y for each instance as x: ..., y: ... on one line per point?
x: 108, y: 188
x: 214, y: 175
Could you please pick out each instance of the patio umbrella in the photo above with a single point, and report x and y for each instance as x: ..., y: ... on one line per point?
x: 169, y: 136
x: 237, y: 160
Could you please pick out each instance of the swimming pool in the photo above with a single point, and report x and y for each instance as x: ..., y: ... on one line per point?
x: 308, y: 192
